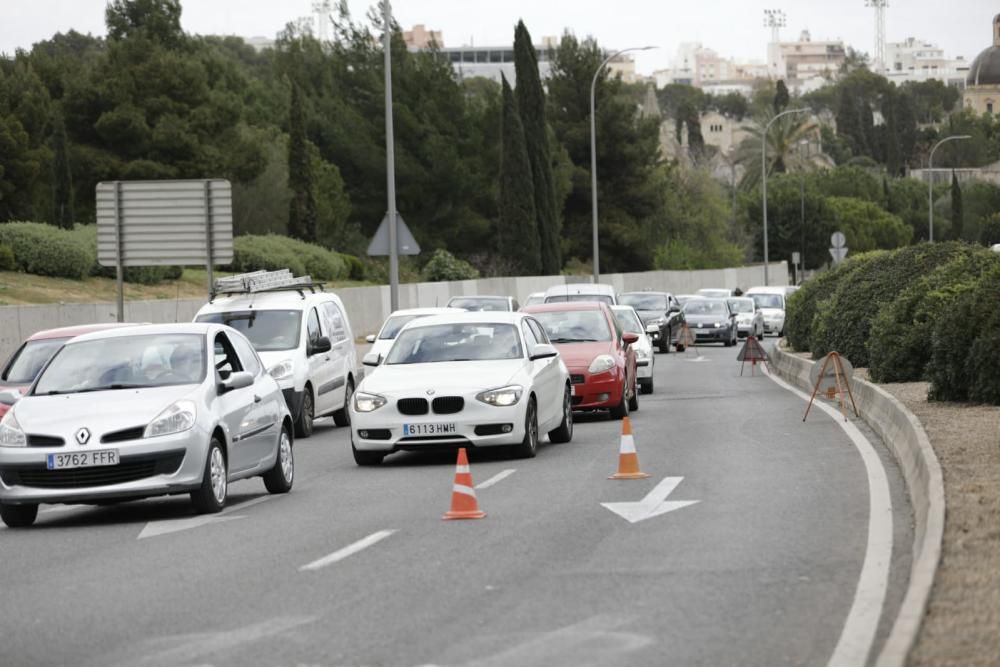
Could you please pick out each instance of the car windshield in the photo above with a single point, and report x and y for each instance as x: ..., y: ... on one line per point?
x: 704, y: 307
x: 628, y: 321
x: 455, y: 342
x: 29, y: 361
x: 715, y: 293
x: 575, y: 326
x: 395, y: 323
x: 567, y: 298
x: 533, y: 299
x: 125, y: 362
x: 267, y: 330
x: 741, y: 305
x: 768, y: 300
x: 480, y: 304
x: 644, y: 301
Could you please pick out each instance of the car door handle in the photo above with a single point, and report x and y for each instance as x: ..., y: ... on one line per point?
x: 256, y: 398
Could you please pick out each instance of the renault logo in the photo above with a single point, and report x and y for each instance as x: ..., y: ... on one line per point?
x: 83, y: 436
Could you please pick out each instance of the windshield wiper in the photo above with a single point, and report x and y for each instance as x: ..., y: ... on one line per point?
x: 107, y: 387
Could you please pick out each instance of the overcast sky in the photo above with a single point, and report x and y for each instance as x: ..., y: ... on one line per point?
x: 731, y: 27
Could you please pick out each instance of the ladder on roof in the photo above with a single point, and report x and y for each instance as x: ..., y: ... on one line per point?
x: 264, y: 281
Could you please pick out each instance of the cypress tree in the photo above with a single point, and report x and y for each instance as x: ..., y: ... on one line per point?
x: 781, y: 97
x: 531, y: 108
x: 302, y: 208
x: 62, y: 177
x: 517, y: 230
x: 957, y: 209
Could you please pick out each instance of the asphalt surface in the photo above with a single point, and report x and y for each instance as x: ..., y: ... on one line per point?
x: 762, y: 570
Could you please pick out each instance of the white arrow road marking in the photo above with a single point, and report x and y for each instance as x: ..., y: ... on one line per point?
x: 654, y: 504
x: 166, y: 526
x: 347, y: 551
x: 698, y: 359
x: 500, y: 476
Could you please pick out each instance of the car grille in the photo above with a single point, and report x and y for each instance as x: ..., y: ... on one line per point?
x: 412, y: 406
x: 130, y: 469
x: 134, y: 433
x: 45, y: 441
x: 577, y: 379
x: 448, y: 405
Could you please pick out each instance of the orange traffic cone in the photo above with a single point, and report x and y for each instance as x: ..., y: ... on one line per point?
x: 463, y: 496
x: 628, y: 460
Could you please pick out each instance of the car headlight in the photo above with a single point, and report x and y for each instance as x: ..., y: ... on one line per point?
x: 604, y: 362
x: 11, y: 434
x: 658, y: 321
x: 281, y: 370
x: 502, y: 397
x: 364, y: 402
x: 719, y: 325
x: 177, y: 418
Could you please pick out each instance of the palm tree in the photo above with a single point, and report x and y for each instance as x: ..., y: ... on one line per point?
x: 783, y: 151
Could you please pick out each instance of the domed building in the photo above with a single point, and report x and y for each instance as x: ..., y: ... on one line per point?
x: 982, y: 87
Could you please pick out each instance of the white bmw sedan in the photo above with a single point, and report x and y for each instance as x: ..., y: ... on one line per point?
x: 463, y: 380
x: 145, y: 411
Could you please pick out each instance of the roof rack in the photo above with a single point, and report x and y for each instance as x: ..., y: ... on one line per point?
x: 265, y: 281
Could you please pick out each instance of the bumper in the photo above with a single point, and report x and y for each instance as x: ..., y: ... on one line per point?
x: 155, y: 467
x: 597, y: 392
x: 656, y: 334
x: 644, y: 368
x: 713, y: 335
x: 744, y: 329
x: 293, y: 399
x: 479, y: 425
x: 774, y: 326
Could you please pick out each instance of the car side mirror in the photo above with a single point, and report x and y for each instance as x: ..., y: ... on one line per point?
x: 372, y: 359
x: 10, y: 397
x: 370, y: 338
x: 236, y: 381
x: 321, y: 345
x: 629, y: 338
x: 543, y: 351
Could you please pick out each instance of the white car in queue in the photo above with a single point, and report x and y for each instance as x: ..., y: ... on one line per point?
x: 483, y: 379
x: 645, y: 359
x: 143, y: 411
x: 382, y: 341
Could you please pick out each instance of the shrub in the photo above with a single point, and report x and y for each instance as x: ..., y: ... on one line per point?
x: 355, y: 267
x: 445, y: 266
x: 46, y: 250
x: 843, y: 323
x: 272, y: 252
x: 6, y: 258
x: 900, y: 343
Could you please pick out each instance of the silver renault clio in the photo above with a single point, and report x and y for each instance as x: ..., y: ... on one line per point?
x: 145, y: 411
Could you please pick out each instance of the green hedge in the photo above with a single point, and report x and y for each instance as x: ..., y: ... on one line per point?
x: 7, y: 258
x: 46, y: 250
x: 271, y: 252
x: 900, y: 343
x: 844, y: 321
x: 445, y: 266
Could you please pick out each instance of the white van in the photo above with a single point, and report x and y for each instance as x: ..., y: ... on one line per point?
x: 302, y: 335
x: 582, y: 292
x: 771, y: 302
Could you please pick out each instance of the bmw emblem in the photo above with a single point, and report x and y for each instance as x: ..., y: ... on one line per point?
x: 430, y: 392
x: 83, y: 436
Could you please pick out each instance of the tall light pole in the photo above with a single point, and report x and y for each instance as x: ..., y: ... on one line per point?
x: 806, y: 145
x: 763, y: 172
x: 930, y: 182
x: 593, y: 155
x: 390, y: 162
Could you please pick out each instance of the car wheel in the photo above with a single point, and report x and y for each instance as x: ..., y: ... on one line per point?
x: 664, y: 343
x: 211, y: 496
x: 647, y: 386
x: 529, y: 446
x: 18, y: 516
x: 633, y: 403
x: 565, y: 431
x: 342, y: 417
x: 680, y: 347
x: 620, y: 411
x: 304, y: 424
x: 363, y: 458
x: 279, y: 478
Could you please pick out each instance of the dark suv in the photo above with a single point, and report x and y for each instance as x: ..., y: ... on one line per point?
x: 661, y: 314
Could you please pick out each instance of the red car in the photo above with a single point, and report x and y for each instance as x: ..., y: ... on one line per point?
x: 29, y: 359
x: 598, y: 354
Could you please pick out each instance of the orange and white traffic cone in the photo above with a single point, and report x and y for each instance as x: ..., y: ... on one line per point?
x: 628, y: 459
x: 463, y: 495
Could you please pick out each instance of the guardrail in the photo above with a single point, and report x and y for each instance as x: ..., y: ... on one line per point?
x: 903, y: 434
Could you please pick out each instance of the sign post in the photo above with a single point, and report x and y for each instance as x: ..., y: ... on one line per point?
x: 839, y: 250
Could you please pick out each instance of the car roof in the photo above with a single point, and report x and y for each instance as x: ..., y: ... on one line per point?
x: 197, y: 328
x: 580, y: 288
x: 641, y: 292
x: 426, y: 311
x: 466, y: 317
x: 479, y: 296
x: 766, y: 290
x: 564, y: 306
x: 79, y: 330
x: 284, y: 299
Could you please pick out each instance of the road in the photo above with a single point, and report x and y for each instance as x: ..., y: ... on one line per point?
x: 356, y: 567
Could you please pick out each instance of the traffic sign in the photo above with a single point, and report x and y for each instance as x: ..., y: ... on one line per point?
x: 405, y: 243
x: 838, y: 240
x: 838, y: 254
x: 796, y: 257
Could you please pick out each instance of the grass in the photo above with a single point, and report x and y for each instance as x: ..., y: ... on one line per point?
x: 24, y: 289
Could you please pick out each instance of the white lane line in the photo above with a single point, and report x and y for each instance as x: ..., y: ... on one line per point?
x: 167, y: 526
x: 862, y: 621
x: 347, y: 551
x: 499, y: 477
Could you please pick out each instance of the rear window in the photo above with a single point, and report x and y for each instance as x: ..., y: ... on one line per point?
x: 574, y: 298
x: 28, y: 362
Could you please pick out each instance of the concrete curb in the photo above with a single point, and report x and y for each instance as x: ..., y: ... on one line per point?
x: 902, y: 432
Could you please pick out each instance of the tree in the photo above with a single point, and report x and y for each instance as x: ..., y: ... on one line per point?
x: 531, y: 108
x: 781, y: 97
x: 302, y: 207
x: 783, y: 150
x: 866, y: 226
x: 989, y: 234
x: 517, y: 229
x: 62, y: 177
x: 957, y: 212
x: 156, y: 20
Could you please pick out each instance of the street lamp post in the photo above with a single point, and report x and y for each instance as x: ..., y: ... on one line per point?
x: 593, y: 155
x: 806, y: 145
x: 930, y: 182
x: 763, y: 171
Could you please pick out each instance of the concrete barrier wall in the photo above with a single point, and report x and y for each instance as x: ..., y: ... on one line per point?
x: 902, y: 432
x: 367, y: 307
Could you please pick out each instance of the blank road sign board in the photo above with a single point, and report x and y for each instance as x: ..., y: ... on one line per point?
x: 165, y: 223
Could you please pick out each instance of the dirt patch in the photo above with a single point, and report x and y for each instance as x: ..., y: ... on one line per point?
x: 962, y: 625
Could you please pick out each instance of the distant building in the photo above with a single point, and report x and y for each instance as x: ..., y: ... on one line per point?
x: 916, y: 60
x: 805, y: 65
x: 982, y: 87
x: 419, y: 37
x: 723, y: 132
